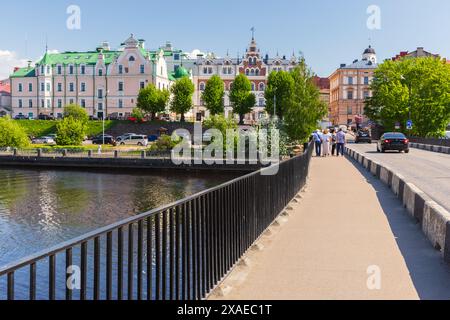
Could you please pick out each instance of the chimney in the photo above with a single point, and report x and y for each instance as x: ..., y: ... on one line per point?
x: 142, y: 43
x: 343, y: 65
x: 16, y: 69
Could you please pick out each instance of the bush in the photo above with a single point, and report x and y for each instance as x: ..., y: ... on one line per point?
x: 165, y: 143
x: 76, y: 112
x: 12, y: 135
x: 70, y: 132
x: 138, y: 115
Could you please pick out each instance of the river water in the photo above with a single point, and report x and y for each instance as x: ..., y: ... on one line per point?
x: 41, y: 208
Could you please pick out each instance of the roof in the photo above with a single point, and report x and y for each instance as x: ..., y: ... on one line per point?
x: 24, y: 73
x: 321, y: 83
x: 362, y: 64
x: 181, y: 72
x: 5, y: 87
x: 369, y: 50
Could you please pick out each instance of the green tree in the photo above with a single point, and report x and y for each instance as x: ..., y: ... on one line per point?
x: 241, y: 97
x: 182, y: 92
x: 77, y: 112
x: 70, y: 132
x: 280, y: 86
x: 12, y: 135
x: 152, y: 100
x: 412, y: 88
x: 306, y: 108
x: 213, y: 95
x: 137, y: 114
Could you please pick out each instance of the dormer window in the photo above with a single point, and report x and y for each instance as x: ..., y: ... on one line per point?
x: 132, y: 59
x: 100, y: 72
x: 83, y: 69
x: 59, y: 68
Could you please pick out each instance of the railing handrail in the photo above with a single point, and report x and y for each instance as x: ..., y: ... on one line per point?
x: 14, y: 266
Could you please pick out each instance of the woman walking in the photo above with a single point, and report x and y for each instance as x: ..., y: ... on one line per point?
x: 326, y: 143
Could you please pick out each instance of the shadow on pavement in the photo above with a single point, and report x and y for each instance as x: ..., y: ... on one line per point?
x: 428, y: 271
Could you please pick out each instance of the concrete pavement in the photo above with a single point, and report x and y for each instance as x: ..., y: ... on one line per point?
x: 347, y: 224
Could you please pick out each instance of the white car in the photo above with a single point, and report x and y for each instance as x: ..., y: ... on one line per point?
x: 134, y: 140
x: 447, y: 134
x: 43, y: 140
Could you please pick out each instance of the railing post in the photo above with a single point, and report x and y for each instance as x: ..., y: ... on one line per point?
x: 116, y: 154
x: 64, y: 152
x: 143, y: 154
x: 89, y: 153
x: 39, y: 153
x: 15, y: 152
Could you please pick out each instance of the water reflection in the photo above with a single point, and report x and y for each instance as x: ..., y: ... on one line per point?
x: 41, y: 208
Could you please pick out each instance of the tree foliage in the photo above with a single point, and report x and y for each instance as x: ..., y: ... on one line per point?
x: 213, y: 95
x: 70, y: 132
x: 76, y: 112
x: 182, y: 92
x: 12, y: 134
x: 305, y: 109
x: 152, y: 100
x: 416, y: 88
x: 279, y: 90
x: 241, y: 97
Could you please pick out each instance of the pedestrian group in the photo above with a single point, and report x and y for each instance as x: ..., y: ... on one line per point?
x: 329, y: 142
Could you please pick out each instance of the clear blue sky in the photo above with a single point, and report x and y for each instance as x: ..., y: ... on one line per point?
x: 328, y: 32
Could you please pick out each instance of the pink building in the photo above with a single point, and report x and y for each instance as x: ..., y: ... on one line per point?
x: 105, y: 82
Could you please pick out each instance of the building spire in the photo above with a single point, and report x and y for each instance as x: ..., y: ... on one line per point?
x: 253, y: 33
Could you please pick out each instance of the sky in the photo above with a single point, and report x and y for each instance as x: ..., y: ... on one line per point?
x: 327, y: 32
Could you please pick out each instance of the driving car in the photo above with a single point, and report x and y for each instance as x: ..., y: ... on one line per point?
x: 136, y: 140
x: 107, y: 139
x: 363, y: 136
x: 394, y: 141
x: 43, y: 140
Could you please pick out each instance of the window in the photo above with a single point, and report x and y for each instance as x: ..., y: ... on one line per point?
x: 83, y: 69
x: 30, y: 103
x: 100, y: 72
x: 350, y: 80
x: 247, y: 72
x: 48, y: 69
x: 132, y: 59
x: 253, y: 87
x: 71, y: 101
x: 176, y: 57
x: 262, y: 87
x: 205, y: 70
x: 257, y: 72
x: 48, y: 104
x: 83, y: 103
x: 42, y: 103
x: 59, y: 87
x: 366, y: 94
x: 262, y: 102
x: 30, y: 87
x: 59, y: 70
x: 100, y: 93
x: 100, y: 106
x: 20, y: 87
x: 48, y: 87
x: 366, y: 80
x: 59, y: 103
x: 120, y: 69
x: 83, y: 87
x: 70, y: 69
x: 121, y: 86
x: 142, y: 69
x: 202, y: 86
x: 349, y: 110
x: 210, y: 70
x: 42, y: 87
x: 350, y: 95
x: 42, y: 69
x: 120, y: 103
x: 142, y: 85
x: 71, y: 87
x: 20, y: 103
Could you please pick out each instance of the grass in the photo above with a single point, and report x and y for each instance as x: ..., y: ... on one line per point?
x: 39, y: 128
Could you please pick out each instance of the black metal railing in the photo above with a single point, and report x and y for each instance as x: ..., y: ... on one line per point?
x: 177, y: 252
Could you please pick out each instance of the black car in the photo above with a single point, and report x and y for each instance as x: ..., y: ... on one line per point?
x: 45, y: 117
x: 363, y: 136
x: 20, y: 117
x: 107, y: 139
x: 393, y: 141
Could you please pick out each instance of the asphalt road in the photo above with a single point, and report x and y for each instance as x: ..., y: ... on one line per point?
x: 429, y: 171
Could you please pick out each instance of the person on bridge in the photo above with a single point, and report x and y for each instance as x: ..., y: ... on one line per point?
x: 333, y: 142
x: 326, y: 138
x: 317, y: 138
x: 341, y: 140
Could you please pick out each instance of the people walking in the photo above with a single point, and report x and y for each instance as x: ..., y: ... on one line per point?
x: 341, y: 140
x: 317, y: 138
x: 333, y: 142
x: 326, y: 146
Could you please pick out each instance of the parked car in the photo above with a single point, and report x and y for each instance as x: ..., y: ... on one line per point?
x: 393, y: 141
x: 125, y: 136
x: 43, y: 140
x: 447, y: 134
x: 20, y: 117
x: 106, y: 138
x: 363, y: 136
x: 134, y: 140
x: 45, y: 117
